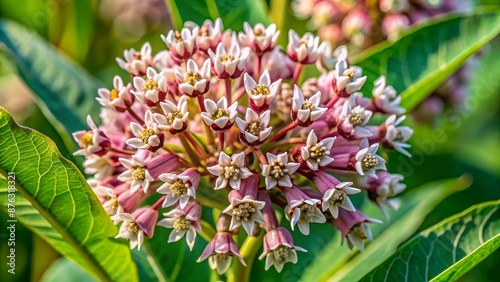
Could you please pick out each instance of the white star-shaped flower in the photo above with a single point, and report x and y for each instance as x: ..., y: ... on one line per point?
x: 278, y: 170
x: 316, y: 153
x: 230, y: 170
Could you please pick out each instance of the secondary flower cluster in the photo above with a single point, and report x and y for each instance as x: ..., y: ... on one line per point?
x: 362, y: 24
x: 224, y: 114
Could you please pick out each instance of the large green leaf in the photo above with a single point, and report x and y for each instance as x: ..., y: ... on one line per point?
x: 233, y: 13
x: 424, y: 57
x: 335, y: 262
x: 62, y: 208
x: 66, y: 92
x: 447, y: 250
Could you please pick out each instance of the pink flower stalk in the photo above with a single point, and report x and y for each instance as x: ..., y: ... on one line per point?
x: 354, y: 227
x: 279, y: 248
x: 220, y: 252
x: 183, y: 221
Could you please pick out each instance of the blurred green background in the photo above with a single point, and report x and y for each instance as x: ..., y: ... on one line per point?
x: 465, y: 139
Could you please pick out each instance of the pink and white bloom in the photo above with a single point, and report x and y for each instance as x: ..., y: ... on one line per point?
x: 315, y: 153
x: 179, y: 187
x: 194, y: 81
x: 306, y: 111
x: 181, y: 45
x: 228, y: 64
x: 219, y: 116
x: 230, y: 169
x: 147, y: 137
x: 183, y: 221
x: 367, y: 161
x: 385, y: 98
x: 93, y: 141
x: 259, y: 38
x: 301, y: 209
x: 354, y: 227
x: 99, y: 166
x: 347, y: 79
x: 220, y: 252
x: 209, y: 35
x: 136, y: 62
x: 353, y: 120
x: 279, y: 248
x: 278, y: 170
x: 244, y: 210
x: 151, y: 90
x: 396, y: 136
x: 302, y: 50
x: 137, y: 225
x: 335, y: 193
x: 136, y: 173
x: 263, y: 93
x: 388, y: 185
x: 254, y: 130
x: 174, y: 117
x: 118, y: 98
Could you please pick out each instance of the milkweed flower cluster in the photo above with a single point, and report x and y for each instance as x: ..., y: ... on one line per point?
x: 225, y: 114
x: 362, y: 24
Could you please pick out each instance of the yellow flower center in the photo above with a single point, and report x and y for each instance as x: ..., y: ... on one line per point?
x: 87, y: 139
x: 150, y: 84
x: 281, y: 254
x: 192, y: 78
x: 307, y: 212
x: 359, y: 231
x: 181, y: 223
x: 219, y: 113
x: 369, y: 162
x: 243, y: 211
x: 178, y: 187
x: 137, y: 56
x: 307, y: 105
x: 277, y: 169
x: 146, y: 133
x: 203, y: 31
x: 349, y: 73
x: 259, y: 31
x: 172, y: 116
x: 226, y: 58
x: 139, y: 173
x: 113, y: 94
x: 254, y: 128
x: 261, y: 90
x: 338, y: 198
x: 356, y: 119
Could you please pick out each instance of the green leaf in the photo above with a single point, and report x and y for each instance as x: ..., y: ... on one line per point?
x: 54, y: 201
x: 426, y: 55
x: 447, y: 250
x: 67, y: 269
x: 233, y: 13
x: 338, y: 262
x: 66, y: 92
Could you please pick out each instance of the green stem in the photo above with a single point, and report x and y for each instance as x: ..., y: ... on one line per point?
x: 154, y: 264
x: 248, y: 250
x: 207, y: 231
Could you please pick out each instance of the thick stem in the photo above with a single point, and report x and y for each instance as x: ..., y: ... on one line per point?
x: 134, y: 115
x: 239, y: 93
x: 296, y: 73
x: 258, y: 67
x: 260, y: 155
x: 195, y: 159
x: 158, y: 203
x: 195, y: 144
x: 332, y: 101
x: 201, y: 102
x: 283, y: 131
x: 221, y: 141
x: 120, y: 151
x: 227, y: 81
x: 248, y: 250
